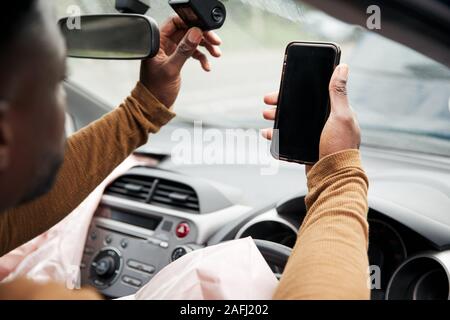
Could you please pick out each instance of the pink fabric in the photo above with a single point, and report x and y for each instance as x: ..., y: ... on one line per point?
x: 56, y: 254
x: 233, y: 270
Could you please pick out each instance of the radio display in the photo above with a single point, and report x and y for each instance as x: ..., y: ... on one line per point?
x: 138, y: 220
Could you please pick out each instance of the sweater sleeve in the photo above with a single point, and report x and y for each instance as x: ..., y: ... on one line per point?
x: 329, y: 260
x: 91, y: 154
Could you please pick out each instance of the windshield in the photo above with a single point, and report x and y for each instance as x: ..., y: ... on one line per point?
x: 400, y: 96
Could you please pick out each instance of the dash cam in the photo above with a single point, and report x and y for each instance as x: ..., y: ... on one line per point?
x: 204, y: 14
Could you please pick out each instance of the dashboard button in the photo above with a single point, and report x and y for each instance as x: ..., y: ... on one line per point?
x: 99, y: 283
x: 182, y: 230
x: 105, y: 267
x: 141, y: 266
x: 132, y: 281
x: 124, y: 243
x: 154, y: 241
x: 178, y: 253
x: 148, y: 269
x: 108, y: 239
x: 133, y: 264
x: 164, y: 244
x: 167, y: 226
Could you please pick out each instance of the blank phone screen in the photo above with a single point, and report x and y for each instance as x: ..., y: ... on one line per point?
x: 303, y: 104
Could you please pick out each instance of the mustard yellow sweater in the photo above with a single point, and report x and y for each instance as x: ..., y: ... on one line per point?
x: 329, y: 259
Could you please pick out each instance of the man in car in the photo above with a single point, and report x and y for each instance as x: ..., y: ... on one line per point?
x: 32, y: 113
x: 329, y: 260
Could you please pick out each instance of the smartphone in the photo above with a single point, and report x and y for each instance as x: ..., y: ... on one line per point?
x: 303, y: 101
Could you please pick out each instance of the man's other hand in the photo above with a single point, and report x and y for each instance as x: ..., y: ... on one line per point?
x: 341, y: 131
x: 161, y: 74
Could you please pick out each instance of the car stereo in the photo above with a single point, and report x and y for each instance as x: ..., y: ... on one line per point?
x: 125, y: 249
x: 146, y: 219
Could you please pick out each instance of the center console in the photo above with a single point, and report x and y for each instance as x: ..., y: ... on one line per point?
x: 148, y: 218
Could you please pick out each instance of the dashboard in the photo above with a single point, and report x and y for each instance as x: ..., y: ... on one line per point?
x: 149, y: 217
x: 391, y: 244
x: 146, y: 219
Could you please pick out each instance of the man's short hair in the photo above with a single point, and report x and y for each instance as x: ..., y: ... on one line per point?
x: 14, y: 17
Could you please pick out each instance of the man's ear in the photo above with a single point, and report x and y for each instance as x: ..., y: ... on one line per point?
x: 5, y: 136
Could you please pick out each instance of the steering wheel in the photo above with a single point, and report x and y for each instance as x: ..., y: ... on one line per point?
x: 275, y: 254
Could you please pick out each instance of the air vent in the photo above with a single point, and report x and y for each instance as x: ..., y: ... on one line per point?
x: 175, y: 195
x: 159, y: 192
x: 132, y: 187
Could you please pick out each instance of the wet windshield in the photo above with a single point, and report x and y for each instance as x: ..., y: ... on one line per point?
x: 401, y: 97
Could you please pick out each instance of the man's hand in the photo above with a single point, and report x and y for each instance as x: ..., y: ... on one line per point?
x: 341, y: 132
x: 161, y: 74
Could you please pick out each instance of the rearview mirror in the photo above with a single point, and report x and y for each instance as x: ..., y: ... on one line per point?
x: 110, y: 36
